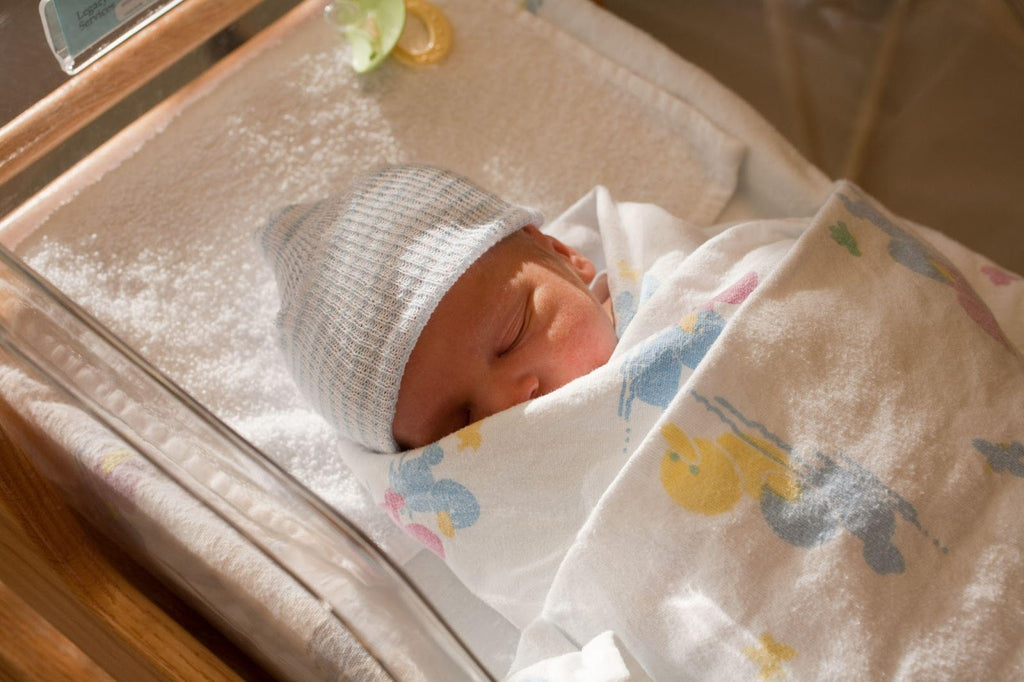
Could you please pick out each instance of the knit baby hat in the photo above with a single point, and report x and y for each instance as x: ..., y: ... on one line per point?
x: 360, y: 273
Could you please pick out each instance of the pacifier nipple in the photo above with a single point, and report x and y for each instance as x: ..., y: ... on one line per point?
x: 372, y: 28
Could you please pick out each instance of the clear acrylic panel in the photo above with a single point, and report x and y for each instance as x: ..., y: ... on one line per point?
x: 319, y: 550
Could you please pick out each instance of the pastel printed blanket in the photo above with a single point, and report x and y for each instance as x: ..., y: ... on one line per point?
x: 804, y: 459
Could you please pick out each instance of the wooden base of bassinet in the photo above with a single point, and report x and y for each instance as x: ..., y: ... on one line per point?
x: 55, y: 568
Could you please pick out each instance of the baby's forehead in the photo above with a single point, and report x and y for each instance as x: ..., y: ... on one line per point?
x: 490, y: 277
x: 500, y: 277
x: 502, y: 264
x: 513, y: 250
x: 476, y: 301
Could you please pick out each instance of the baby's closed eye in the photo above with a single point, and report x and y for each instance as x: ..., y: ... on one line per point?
x: 516, y: 329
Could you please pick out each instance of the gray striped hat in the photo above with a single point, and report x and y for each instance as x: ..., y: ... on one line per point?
x: 359, y: 275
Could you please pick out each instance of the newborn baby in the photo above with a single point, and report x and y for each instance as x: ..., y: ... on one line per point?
x: 519, y: 323
x: 417, y: 303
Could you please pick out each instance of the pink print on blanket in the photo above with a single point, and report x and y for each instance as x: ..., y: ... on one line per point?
x: 426, y: 508
x: 921, y: 258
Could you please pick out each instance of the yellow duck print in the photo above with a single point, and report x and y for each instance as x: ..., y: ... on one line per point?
x: 769, y: 655
x: 469, y: 437
x: 710, y: 477
x: 628, y: 272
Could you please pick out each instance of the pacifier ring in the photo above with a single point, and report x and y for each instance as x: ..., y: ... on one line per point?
x: 439, y: 32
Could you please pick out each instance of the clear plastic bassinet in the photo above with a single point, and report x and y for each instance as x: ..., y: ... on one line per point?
x: 286, y: 576
x: 72, y: 389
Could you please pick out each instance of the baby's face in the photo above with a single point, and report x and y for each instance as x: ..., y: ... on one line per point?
x: 519, y: 323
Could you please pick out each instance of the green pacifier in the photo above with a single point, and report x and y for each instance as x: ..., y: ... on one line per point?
x: 372, y: 28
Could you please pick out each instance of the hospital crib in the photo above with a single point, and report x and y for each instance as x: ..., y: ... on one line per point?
x: 93, y: 424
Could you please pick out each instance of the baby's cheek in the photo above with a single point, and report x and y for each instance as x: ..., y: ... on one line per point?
x: 589, y: 344
x: 603, y: 343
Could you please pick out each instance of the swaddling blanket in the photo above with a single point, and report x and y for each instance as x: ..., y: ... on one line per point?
x: 804, y: 457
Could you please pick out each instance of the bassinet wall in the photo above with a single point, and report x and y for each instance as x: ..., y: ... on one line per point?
x: 152, y: 236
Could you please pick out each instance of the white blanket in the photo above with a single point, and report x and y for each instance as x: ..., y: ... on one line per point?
x: 804, y: 457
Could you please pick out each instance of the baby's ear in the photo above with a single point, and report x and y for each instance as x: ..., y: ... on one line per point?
x: 583, y: 266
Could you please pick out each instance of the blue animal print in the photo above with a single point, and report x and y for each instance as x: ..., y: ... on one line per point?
x: 651, y: 373
x: 625, y: 310
x: 904, y: 248
x: 925, y: 260
x: 835, y: 492
x: 838, y: 492
x: 414, y: 481
x: 1002, y: 457
x: 626, y: 304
